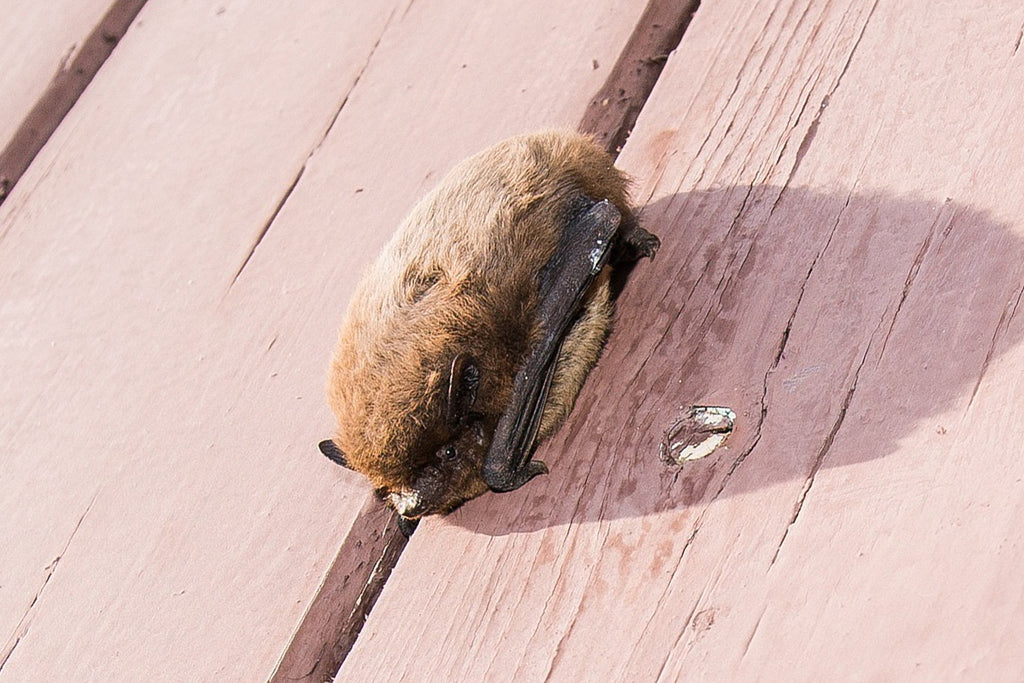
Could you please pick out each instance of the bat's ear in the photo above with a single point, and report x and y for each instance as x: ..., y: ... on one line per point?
x: 463, y: 382
x: 331, y: 450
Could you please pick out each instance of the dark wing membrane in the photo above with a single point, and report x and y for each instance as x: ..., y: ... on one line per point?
x: 582, y: 252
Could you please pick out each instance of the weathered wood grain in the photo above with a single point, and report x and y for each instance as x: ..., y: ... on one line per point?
x: 174, y: 265
x: 153, y: 520
x: 49, y: 53
x: 835, y: 185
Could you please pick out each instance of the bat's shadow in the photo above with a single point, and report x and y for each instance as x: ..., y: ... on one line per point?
x: 834, y: 325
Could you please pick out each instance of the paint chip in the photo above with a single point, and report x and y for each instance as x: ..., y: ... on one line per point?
x: 698, y: 434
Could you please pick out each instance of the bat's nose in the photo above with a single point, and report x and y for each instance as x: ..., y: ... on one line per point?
x: 407, y: 503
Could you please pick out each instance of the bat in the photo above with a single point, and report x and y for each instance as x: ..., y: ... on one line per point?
x: 467, y: 341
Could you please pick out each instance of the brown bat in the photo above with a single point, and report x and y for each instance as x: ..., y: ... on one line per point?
x: 467, y: 341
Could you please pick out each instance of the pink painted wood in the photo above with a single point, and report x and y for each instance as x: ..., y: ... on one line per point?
x: 38, y: 39
x: 150, y: 510
x: 51, y: 55
x: 837, y: 190
x: 173, y: 266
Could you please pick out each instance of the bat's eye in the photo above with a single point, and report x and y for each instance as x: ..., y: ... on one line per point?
x: 449, y: 453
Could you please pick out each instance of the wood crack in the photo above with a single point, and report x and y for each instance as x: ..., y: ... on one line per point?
x: 558, y: 579
x: 21, y: 630
x: 915, y: 267
x: 779, y: 352
x: 1004, y: 321
x: 753, y: 633
x: 266, y: 226
x: 553, y: 664
x: 822, y: 453
x: 698, y: 522
x: 853, y: 50
x: 812, y: 129
x: 808, y: 138
x: 714, y: 304
x: 302, y: 169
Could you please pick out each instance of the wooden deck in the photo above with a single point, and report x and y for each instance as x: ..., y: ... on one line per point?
x: 838, y: 190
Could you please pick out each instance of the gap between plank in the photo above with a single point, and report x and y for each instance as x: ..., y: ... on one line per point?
x: 357, y: 575
x: 373, y: 546
x: 613, y: 111
x: 66, y: 86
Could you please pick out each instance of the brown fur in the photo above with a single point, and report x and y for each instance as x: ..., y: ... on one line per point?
x: 460, y: 276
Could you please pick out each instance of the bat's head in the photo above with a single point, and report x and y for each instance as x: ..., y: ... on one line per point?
x: 423, y: 454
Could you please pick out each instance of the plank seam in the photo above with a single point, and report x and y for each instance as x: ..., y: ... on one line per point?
x: 66, y: 86
x: 324, y: 638
x: 613, y: 111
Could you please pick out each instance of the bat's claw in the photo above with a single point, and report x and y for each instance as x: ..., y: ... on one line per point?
x: 635, y: 243
x: 502, y: 482
x: 645, y: 244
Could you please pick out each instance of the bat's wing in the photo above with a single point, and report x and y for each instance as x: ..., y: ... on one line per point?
x: 582, y: 251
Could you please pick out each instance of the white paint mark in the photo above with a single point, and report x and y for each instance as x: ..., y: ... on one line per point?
x: 698, y: 434
x: 701, y: 450
x: 714, y: 417
x: 791, y: 383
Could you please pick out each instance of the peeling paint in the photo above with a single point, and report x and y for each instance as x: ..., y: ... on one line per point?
x: 698, y: 434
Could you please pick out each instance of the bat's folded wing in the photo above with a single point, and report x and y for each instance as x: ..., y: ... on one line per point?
x: 582, y: 252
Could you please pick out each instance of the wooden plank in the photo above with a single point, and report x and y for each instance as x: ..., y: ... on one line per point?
x: 175, y: 265
x: 152, y: 519
x: 50, y: 52
x: 835, y: 187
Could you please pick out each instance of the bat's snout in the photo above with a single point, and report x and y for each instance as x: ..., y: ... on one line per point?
x: 407, y: 503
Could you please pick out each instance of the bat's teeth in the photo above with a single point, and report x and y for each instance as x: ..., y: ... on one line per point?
x: 406, y: 502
